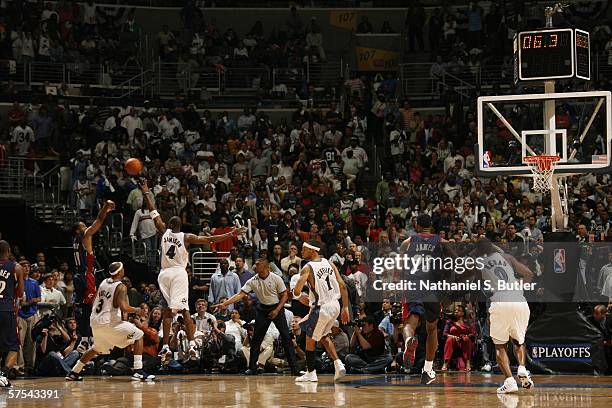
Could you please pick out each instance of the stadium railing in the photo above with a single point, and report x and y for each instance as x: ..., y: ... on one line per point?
x: 205, y: 263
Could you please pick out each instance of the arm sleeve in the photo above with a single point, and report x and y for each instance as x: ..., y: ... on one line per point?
x: 246, y: 288
x: 280, y: 286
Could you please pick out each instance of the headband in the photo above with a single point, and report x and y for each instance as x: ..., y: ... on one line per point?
x: 118, y: 270
x: 314, y: 248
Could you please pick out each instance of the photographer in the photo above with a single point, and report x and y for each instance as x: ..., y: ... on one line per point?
x: 220, y: 351
x: 56, y: 348
x: 368, y: 346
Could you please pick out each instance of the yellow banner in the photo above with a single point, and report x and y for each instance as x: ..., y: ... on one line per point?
x: 343, y: 19
x: 375, y: 59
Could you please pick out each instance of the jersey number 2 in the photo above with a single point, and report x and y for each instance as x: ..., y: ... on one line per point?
x: 2, y: 287
x: 171, y: 252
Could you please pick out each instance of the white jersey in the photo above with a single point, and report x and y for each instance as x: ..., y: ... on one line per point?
x: 326, y: 287
x: 104, y: 312
x: 498, y: 269
x: 173, y: 250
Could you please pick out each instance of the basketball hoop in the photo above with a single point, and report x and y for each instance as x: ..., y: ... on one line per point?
x: 542, y: 168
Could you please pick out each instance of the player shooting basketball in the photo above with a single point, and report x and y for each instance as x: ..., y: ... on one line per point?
x: 84, y: 280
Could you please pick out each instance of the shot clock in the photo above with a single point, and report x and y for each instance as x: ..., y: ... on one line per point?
x: 550, y: 54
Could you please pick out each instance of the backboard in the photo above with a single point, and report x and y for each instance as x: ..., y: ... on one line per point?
x: 512, y: 127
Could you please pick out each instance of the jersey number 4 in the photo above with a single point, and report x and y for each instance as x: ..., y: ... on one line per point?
x: 171, y: 252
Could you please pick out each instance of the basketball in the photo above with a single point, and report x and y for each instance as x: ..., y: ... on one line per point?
x: 133, y: 166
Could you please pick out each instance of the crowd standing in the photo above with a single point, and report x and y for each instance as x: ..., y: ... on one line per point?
x: 297, y: 179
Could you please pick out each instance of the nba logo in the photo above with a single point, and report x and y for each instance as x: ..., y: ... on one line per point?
x: 486, y: 160
x: 559, y: 261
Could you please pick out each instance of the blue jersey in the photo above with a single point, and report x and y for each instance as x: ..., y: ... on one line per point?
x: 426, y: 249
x: 7, y: 286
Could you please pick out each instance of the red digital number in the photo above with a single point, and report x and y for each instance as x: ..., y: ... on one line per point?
x: 537, y: 41
x: 526, y: 41
x: 553, y: 41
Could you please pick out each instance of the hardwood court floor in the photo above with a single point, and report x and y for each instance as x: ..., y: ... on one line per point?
x: 451, y: 390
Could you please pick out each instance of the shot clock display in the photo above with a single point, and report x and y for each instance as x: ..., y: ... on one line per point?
x: 552, y: 54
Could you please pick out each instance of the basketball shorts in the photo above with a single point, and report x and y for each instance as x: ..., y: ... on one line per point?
x: 9, y: 339
x: 509, y: 320
x: 430, y: 311
x: 107, y: 337
x: 319, y: 321
x: 174, y: 286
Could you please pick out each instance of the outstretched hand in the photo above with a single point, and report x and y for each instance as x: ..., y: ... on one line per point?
x: 239, y: 231
x: 109, y: 205
x: 218, y: 307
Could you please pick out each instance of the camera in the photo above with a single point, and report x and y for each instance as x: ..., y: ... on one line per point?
x: 44, y: 323
x: 357, y: 322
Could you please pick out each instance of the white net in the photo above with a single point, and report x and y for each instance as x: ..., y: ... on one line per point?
x: 542, y: 168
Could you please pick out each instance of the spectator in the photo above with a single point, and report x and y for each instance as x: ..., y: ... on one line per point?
x: 367, y: 349
x: 602, y: 323
x: 52, y: 300
x: 364, y: 27
x: 204, y: 321
x: 290, y: 259
x: 235, y: 327
x: 150, y: 360
x: 314, y: 40
x: 223, y: 284
x: 26, y: 319
x: 415, y: 20
x: 295, y: 24
x: 460, y: 337
x: 143, y: 225
x: 22, y: 139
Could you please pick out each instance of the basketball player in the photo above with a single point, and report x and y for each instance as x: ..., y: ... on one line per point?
x: 84, y: 280
x: 109, y: 329
x: 326, y: 287
x: 508, y: 312
x: 11, y: 289
x: 421, y: 304
x: 173, y: 281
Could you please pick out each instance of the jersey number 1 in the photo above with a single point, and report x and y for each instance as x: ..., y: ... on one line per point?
x: 329, y: 286
x: 171, y: 252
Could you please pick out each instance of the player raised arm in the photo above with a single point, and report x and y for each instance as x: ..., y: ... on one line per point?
x: 199, y: 240
x: 121, y: 301
x: 97, y: 224
x: 157, y: 220
x: 344, y: 314
x: 520, y: 268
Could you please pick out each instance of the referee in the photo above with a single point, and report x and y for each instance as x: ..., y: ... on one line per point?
x: 272, y: 295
